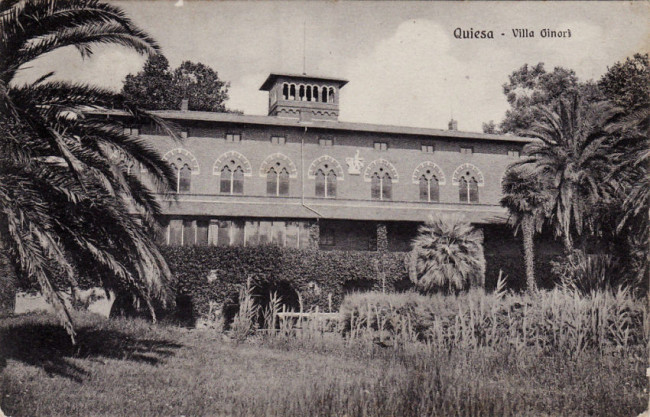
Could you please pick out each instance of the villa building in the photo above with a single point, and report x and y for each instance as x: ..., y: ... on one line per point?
x: 299, y: 177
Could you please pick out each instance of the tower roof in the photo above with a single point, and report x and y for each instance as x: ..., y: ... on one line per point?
x: 272, y: 78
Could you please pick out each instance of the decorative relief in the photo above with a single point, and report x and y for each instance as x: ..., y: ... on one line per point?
x: 355, y: 165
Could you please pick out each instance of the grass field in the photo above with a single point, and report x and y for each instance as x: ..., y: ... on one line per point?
x: 132, y: 368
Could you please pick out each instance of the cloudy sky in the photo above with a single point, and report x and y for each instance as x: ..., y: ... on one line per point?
x: 403, y: 63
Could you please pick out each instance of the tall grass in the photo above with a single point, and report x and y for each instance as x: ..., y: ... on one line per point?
x: 547, y: 321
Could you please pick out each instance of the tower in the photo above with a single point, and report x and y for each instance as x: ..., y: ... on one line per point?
x: 303, y: 97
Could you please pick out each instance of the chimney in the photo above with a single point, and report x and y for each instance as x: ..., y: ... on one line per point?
x: 453, y: 124
x: 184, y: 104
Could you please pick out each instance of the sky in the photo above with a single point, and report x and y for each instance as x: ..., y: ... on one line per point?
x: 402, y: 61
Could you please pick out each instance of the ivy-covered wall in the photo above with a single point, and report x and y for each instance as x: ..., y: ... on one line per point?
x: 217, y: 273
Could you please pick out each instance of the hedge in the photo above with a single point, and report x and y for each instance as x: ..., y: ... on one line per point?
x: 217, y: 273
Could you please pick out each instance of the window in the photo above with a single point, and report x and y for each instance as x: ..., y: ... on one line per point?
x: 429, y: 188
x: 381, y: 185
x: 278, y: 140
x: 327, y: 236
x: 466, y: 150
x: 325, y: 183
x: 513, y: 153
x: 426, y: 148
x: 183, y: 176
x: 233, y: 137
x: 325, y: 142
x: 381, y: 146
x: 232, y: 179
x: 468, y: 189
x: 277, y: 180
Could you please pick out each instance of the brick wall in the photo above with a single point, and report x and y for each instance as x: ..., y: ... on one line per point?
x: 206, y: 143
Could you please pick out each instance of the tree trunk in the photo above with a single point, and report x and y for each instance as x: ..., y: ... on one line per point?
x: 8, y: 276
x: 528, y: 232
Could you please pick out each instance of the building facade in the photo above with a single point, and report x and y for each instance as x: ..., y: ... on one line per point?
x: 300, y: 178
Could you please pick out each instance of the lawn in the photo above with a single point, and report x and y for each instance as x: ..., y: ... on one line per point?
x: 132, y: 368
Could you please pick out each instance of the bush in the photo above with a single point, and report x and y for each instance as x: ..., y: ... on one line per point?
x: 447, y: 255
x: 548, y: 321
x: 216, y: 274
x: 589, y: 272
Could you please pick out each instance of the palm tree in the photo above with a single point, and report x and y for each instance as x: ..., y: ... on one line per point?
x: 631, y: 189
x: 526, y: 197
x: 447, y: 255
x: 68, y: 192
x: 572, y: 152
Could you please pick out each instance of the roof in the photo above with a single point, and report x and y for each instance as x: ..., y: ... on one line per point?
x: 292, y: 207
x: 315, y: 124
x: 270, y: 80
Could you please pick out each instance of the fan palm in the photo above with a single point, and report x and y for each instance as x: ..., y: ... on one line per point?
x: 526, y: 197
x: 447, y: 255
x: 67, y: 191
x: 572, y: 153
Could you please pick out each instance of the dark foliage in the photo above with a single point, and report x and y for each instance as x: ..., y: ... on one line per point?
x: 157, y: 87
x: 217, y: 273
x: 627, y: 84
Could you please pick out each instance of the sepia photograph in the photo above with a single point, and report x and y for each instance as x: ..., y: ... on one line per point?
x: 324, y: 208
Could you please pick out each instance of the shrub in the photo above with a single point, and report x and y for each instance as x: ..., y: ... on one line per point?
x: 589, y: 272
x: 447, y: 255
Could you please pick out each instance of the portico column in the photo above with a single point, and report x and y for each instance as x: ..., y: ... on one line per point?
x: 382, y: 237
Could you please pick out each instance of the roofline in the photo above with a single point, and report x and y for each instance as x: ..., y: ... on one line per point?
x: 328, y: 125
x: 268, y: 83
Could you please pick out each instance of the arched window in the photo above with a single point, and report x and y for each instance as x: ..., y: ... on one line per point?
x: 381, y: 185
x: 468, y: 189
x: 285, y: 91
x: 292, y: 92
x: 325, y: 183
x: 232, y: 179
x: 309, y: 97
x: 429, y: 187
x: 301, y: 93
x: 183, y: 176
x: 184, y: 165
x: 330, y: 95
x: 315, y: 90
x: 324, y: 95
x: 277, y: 180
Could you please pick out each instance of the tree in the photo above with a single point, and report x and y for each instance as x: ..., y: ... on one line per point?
x: 156, y: 87
x: 627, y: 84
x: 447, y: 255
x: 573, y: 153
x: 152, y: 88
x: 526, y: 197
x: 490, y: 127
x: 531, y: 87
x: 67, y: 187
